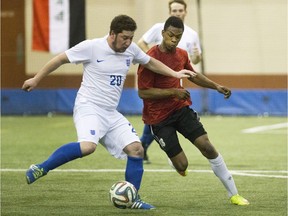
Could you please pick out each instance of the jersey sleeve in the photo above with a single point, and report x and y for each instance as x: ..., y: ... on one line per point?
x: 80, y: 53
x: 140, y: 57
x: 188, y: 66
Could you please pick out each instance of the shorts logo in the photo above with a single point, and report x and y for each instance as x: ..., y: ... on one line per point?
x: 92, y: 132
x: 133, y: 129
x: 162, y: 143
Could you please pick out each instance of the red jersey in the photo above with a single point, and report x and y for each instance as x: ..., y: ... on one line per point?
x: 156, y: 110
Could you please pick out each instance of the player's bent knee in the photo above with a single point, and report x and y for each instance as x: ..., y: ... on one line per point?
x: 134, y: 149
x: 180, y: 161
x: 87, y: 147
x: 209, y: 151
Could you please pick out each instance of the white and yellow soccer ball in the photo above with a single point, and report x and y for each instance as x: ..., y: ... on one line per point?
x: 123, y: 194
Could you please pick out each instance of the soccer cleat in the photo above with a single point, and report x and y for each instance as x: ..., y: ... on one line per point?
x: 139, y: 204
x: 239, y: 200
x: 33, y: 173
x: 182, y: 173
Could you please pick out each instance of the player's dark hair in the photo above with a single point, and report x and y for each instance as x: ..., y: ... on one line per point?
x: 175, y: 22
x: 177, y: 1
x: 122, y: 23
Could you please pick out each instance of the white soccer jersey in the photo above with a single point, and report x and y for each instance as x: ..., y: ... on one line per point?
x: 189, y: 37
x: 104, y: 70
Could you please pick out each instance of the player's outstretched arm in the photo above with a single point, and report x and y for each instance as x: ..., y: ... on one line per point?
x: 205, y: 82
x: 157, y: 93
x: 160, y: 68
x: 49, y: 67
x: 143, y: 45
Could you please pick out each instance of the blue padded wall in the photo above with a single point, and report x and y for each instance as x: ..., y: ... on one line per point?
x: 249, y: 102
x: 242, y: 102
x: 37, y: 102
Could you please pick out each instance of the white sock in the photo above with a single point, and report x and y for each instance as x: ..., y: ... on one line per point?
x: 220, y: 170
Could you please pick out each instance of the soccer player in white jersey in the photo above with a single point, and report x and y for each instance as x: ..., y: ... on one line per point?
x: 106, y: 62
x: 189, y: 42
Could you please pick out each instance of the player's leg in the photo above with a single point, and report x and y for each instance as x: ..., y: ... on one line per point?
x: 60, y: 156
x: 134, y: 166
x: 122, y: 141
x: 217, y: 163
x: 87, y: 126
x: 180, y: 163
x: 198, y: 136
x: 146, y: 140
x: 166, y: 136
x: 134, y: 171
x: 220, y: 169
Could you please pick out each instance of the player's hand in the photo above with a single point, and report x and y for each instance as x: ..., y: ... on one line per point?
x: 196, y: 55
x: 225, y: 91
x: 196, y: 50
x: 29, y: 84
x: 182, y: 94
x: 185, y: 74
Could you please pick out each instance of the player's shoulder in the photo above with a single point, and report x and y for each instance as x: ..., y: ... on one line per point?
x: 181, y: 51
x: 158, y: 26
x: 152, y: 50
x: 134, y: 46
x: 189, y: 30
x: 83, y: 45
x: 133, y: 49
x: 90, y: 42
x: 98, y: 40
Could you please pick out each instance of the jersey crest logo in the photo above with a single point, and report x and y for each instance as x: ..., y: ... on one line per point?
x: 92, y: 132
x: 128, y: 62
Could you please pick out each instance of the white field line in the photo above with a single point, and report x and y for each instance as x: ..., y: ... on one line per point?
x: 251, y: 173
x: 265, y: 128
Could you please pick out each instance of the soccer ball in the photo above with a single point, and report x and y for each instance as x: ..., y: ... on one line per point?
x: 122, y: 194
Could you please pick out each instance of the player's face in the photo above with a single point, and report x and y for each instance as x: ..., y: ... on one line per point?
x: 171, y: 38
x: 122, y: 41
x: 178, y: 10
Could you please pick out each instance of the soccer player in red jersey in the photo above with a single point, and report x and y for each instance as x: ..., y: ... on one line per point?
x: 166, y: 108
